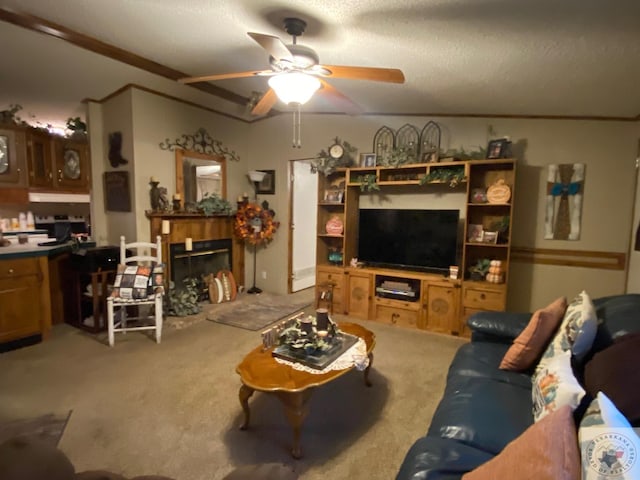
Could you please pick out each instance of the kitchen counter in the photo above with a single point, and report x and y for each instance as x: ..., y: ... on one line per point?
x: 31, y: 249
x: 33, y: 283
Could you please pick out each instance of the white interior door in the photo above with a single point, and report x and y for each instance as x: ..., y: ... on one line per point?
x: 304, y: 214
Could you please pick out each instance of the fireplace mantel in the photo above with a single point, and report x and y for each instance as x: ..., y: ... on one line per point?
x: 198, y: 227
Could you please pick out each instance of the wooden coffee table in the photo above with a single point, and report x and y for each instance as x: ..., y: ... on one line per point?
x: 260, y: 371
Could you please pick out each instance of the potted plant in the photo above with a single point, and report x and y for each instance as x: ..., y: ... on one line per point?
x: 480, y: 269
x: 368, y: 182
x: 77, y: 127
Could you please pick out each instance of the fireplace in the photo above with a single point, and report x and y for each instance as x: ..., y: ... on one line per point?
x: 214, y: 245
x: 207, y: 256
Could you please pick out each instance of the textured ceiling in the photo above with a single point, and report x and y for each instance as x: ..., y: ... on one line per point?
x: 500, y: 57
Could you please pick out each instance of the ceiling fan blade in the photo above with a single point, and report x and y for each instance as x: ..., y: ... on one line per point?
x: 273, y: 45
x: 266, y: 103
x: 340, y: 99
x: 391, y: 75
x: 224, y: 76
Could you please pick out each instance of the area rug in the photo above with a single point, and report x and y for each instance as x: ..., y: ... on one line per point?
x: 48, y: 428
x: 255, y: 312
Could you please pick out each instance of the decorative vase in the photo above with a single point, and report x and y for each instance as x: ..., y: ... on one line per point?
x: 335, y: 256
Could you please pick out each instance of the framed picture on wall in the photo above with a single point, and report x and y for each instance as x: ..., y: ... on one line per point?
x: 268, y: 183
x: 117, y: 196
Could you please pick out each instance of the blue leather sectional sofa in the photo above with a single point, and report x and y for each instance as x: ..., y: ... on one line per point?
x: 483, y: 408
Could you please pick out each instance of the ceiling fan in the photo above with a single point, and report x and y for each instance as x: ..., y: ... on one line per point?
x: 296, y: 73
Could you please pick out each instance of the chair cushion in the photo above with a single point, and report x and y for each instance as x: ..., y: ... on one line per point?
x: 528, y: 347
x: 472, y: 408
x: 547, y: 450
x: 131, y: 282
x: 555, y: 385
x: 615, y: 372
x: 156, y: 279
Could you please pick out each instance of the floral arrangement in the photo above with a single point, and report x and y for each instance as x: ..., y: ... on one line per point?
x: 255, y: 224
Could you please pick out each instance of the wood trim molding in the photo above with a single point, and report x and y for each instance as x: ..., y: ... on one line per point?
x: 570, y: 258
x: 37, y: 24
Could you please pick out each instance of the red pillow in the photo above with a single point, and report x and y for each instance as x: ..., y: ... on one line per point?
x: 547, y: 450
x: 532, y: 341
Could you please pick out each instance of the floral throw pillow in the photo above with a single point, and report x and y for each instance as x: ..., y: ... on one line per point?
x: 131, y: 282
x: 609, y: 446
x: 577, y: 330
x: 555, y: 385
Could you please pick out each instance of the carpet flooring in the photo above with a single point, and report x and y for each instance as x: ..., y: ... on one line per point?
x: 255, y: 312
x: 172, y: 409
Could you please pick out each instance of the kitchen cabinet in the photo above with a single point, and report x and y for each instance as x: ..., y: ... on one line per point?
x: 12, y: 158
x: 25, y: 305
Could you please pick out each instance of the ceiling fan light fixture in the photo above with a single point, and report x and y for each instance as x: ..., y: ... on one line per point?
x: 294, y: 87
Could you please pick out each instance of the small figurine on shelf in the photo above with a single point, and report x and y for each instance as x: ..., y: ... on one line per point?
x: 154, y: 193
x: 495, y: 275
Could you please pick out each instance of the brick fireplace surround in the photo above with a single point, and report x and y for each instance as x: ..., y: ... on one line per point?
x: 198, y: 228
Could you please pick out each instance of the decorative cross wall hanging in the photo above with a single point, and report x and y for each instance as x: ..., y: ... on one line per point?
x: 565, y: 185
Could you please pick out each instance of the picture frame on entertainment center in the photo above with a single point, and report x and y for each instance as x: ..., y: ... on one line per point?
x: 475, y: 233
x: 367, y: 160
x: 333, y: 195
x: 490, y: 237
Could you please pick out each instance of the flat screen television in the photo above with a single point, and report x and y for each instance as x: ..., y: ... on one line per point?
x: 421, y: 240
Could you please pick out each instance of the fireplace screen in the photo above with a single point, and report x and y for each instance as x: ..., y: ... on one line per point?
x: 207, y: 256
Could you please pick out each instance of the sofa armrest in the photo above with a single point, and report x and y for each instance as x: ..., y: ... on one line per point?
x: 497, y: 326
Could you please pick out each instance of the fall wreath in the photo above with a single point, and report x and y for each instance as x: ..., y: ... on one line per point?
x: 255, y: 224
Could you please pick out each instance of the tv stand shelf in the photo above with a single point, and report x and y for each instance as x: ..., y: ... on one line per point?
x: 414, y: 299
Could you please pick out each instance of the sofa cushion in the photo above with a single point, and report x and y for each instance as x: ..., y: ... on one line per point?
x: 619, y: 316
x: 615, y: 372
x: 528, y: 347
x: 497, y: 326
x: 435, y: 458
x: 548, y: 450
x: 481, y: 359
x: 472, y: 407
x: 577, y: 330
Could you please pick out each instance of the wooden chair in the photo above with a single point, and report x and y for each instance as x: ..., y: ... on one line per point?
x: 131, y: 290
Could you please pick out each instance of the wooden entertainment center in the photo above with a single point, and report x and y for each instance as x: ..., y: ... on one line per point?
x: 431, y: 302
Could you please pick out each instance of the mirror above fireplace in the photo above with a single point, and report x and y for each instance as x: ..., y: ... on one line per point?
x: 198, y: 174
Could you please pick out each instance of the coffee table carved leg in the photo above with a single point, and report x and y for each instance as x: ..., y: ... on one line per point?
x: 367, y: 382
x: 244, y: 395
x: 296, y: 408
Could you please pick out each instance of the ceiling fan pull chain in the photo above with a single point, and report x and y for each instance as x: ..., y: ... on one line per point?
x: 297, y: 143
